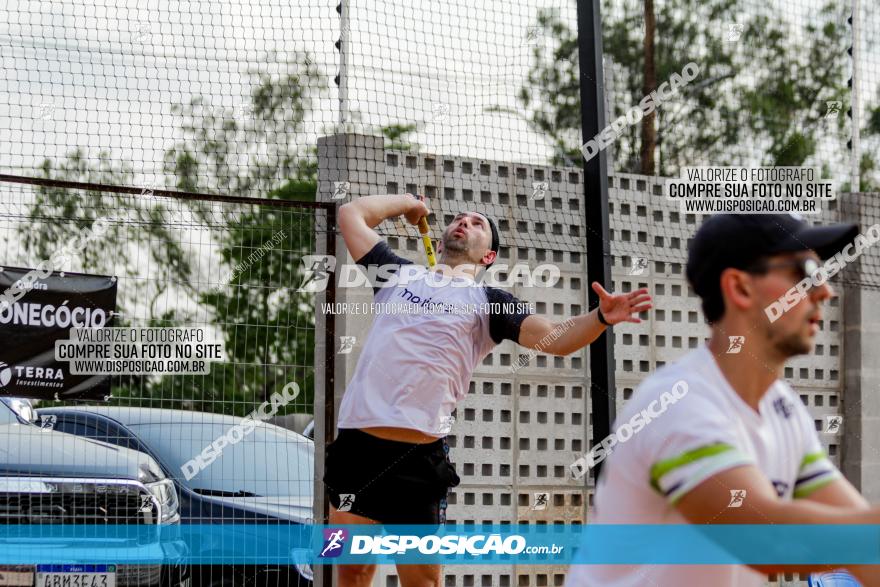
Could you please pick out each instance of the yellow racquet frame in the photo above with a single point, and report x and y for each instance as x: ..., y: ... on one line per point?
x: 426, y: 239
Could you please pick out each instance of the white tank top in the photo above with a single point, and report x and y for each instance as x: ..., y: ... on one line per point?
x: 415, y: 366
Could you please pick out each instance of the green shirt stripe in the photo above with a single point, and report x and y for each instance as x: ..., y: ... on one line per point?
x: 812, y: 458
x: 663, y: 467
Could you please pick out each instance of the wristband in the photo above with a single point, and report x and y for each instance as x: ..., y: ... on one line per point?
x: 601, y: 317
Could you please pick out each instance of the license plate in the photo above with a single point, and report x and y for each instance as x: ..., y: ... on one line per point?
x: 76, y: 576
x: 16, y: 576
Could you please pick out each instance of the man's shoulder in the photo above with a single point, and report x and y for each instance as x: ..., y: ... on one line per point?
x: 382, y: 254
x: 497, y: 296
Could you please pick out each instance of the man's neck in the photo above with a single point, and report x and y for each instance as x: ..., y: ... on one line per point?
x: 458, y: 266
x: 751, y: 371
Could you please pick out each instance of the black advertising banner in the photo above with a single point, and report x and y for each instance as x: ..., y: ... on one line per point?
x: 36, y: 309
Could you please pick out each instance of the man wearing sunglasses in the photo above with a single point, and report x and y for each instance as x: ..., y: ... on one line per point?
x: 738, y: 447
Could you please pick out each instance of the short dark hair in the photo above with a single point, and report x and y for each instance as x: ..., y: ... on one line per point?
x: 713, y: 306
x: 713, y: 299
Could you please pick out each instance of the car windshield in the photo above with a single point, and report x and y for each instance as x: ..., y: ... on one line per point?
x: 7, y: 416
x: 269, y: 461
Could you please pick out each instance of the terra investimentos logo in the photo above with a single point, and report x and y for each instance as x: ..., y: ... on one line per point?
x: 30, y: 376
x: 5, y: 374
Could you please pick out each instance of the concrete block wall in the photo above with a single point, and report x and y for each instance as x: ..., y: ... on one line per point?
x: 861, y: 342
x: 518, y: 430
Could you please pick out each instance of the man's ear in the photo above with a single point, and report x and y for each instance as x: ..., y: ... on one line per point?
x: 737, y: 288
x: 489, y: 258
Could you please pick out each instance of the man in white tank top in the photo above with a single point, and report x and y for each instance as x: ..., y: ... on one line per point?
x: 388, y: 463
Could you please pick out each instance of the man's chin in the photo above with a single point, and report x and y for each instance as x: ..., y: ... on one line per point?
x: 796, y: 345
x: 455, y: 245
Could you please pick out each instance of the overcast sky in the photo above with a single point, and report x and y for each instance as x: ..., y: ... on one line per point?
x: 103, y: 75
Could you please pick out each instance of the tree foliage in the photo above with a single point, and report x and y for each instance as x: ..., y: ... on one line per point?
x: 256, y: 149
x: 759, y: 99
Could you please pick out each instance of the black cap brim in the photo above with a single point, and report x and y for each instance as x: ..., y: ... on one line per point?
x: 825, y: 240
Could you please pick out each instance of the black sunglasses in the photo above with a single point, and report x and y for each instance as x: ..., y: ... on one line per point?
x: 806, y: 266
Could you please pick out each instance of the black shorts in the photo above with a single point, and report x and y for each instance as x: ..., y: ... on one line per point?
x: 388, y: 481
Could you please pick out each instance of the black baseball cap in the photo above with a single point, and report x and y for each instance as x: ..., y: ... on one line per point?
x: 739, y: 240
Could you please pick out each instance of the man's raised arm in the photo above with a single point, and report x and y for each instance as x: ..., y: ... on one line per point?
x: 357, y: 219
x: 563, y: 338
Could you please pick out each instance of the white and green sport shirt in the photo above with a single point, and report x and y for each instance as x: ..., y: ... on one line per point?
x: 710, y: 429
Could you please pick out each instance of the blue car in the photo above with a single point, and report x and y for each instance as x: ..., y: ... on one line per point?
x: 263, y: 476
